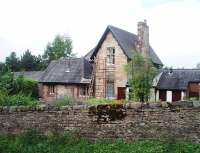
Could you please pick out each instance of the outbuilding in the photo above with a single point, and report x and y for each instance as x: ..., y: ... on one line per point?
x: 177, y: 84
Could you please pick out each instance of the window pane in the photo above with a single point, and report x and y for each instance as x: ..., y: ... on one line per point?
x: 110, y: 89
x: 111, y: 55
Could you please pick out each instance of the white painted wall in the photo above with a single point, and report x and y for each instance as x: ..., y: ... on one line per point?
x: 157, y: 95
x: 169, y: 96
x: 183, y: 94
x: 127, y: 93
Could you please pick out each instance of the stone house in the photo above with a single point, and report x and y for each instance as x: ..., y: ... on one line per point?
x: 101, y: 73
x: 177, y: 84
x: 114, y: 50
x: 66, y: 77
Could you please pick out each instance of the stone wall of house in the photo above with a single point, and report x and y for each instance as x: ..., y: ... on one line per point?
x: 130, y: 121
x: 114, y: 72
x: 60, y: 92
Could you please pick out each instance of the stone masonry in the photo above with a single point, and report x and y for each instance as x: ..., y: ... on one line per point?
x: 130, y: 121
x: 117, y: 70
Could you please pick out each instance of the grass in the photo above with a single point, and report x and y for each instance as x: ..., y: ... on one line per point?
x: 66, y: 101
x: 95, y: 102
x: 31, y: 142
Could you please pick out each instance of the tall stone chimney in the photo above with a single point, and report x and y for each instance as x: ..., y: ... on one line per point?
x: 142, y: 43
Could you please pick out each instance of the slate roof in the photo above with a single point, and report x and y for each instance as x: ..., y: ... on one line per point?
x: 33, y: 75
x: 127, y: 42
x: 178, y: 79
x: 76, y: 70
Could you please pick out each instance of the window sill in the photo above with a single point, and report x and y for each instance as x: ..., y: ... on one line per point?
x: 110, y: 64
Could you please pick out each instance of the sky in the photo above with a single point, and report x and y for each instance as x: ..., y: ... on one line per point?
x: 30, y: 24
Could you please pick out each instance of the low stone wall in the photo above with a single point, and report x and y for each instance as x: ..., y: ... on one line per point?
x: 130, y: 121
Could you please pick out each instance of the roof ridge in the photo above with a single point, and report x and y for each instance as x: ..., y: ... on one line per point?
x: 111, y: 26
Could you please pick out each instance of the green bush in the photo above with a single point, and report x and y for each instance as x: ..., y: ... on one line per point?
x: 3, y: 98
x: 25, y: 86
x: 13, y: 86
x: 21, y: 100
x: 6, y: 82
x: 95, y: 101
x: 16, y: 100
x: 194, y: 98
x: 66, y: 101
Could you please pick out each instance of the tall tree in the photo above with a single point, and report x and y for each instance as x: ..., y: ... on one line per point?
x: 2, y: 66
x: 141, y: 73
x: 30, y: 62
x: 60, y: 47
x: 13, y: 62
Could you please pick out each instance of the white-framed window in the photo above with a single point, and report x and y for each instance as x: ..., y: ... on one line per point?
x: 51, y: 89
x: 83, y: 90
x: 110, y: 89
x: 111, y: 55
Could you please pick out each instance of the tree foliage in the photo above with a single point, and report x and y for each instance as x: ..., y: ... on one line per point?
x: 27, y: 62
x: 2, y: 67
x: 141, y: 73
x: 31, y: 62
x: 60, y: 47
x: 12, y: 86
x: 13, y: 62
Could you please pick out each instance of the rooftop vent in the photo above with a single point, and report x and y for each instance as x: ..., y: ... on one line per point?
x: 170, y: 71
x: 68, y: 64
x: 67, y: 70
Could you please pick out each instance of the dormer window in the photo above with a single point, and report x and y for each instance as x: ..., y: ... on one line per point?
x: 111, y: 55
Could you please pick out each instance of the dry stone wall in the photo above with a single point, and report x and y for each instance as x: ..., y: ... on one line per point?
x: 130, y: 121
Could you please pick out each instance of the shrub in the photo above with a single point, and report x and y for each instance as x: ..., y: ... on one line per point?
x: 3, y: 98
x: 25, y: 86
x: 16, y: 100
x: 95, y: 101
x: 21, y: 100
x: 6, y: 82
x: 13, y: 86
x: 66, y: 101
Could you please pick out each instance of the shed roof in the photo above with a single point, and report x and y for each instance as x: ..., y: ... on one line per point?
x: 177, y: 79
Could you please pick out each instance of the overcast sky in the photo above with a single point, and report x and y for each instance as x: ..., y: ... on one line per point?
x: 31, y: 24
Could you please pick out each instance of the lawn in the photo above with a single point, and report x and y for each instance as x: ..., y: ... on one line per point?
x: 31, y: 142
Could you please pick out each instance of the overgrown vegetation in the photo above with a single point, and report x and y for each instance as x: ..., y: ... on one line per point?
x: 32, y: 142
x: 95, y: 101
x: 141, y: 72
x: 66, y: 101
x: 16, y: 100
x: 17, y: 91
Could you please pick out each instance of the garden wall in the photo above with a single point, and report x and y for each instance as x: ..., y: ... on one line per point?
x: 130, y: 121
